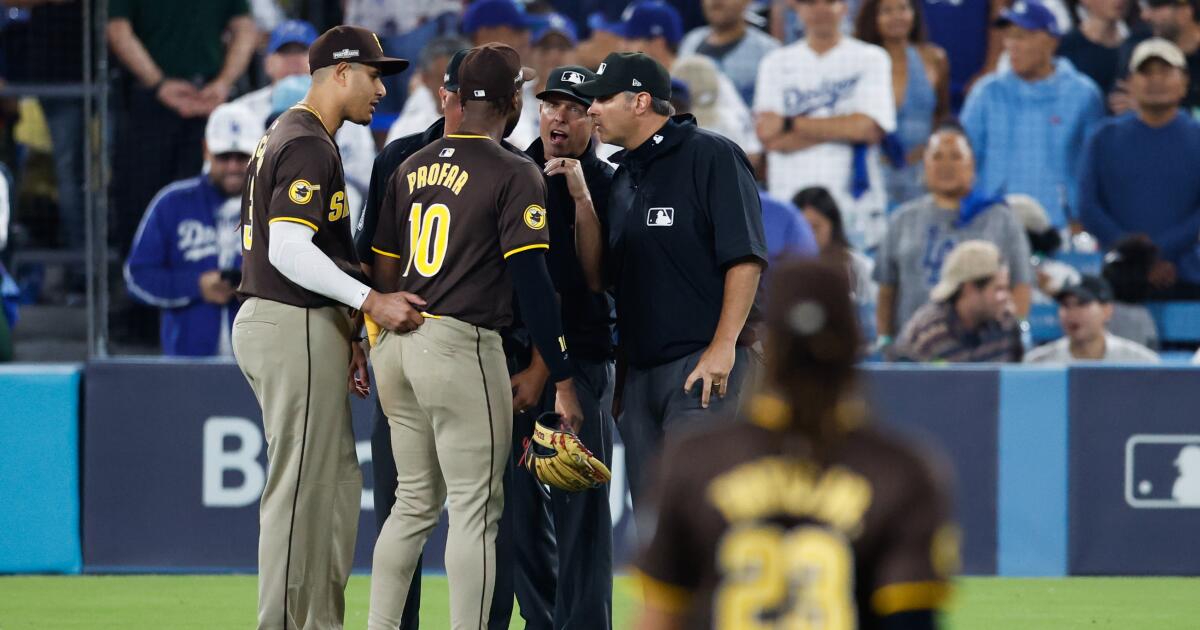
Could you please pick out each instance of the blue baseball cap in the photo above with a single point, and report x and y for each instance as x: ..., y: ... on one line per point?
x: 680, y: 90
x: 597, y: 22
x: 1030, y: 15
x: 485, y: 13
x: 545, y: 24
x: 647, y: 19
x: 291, y: 32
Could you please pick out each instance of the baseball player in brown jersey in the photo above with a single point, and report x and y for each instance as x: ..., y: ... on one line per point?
x: 293, y: 335
x: 802, y: 516
x: 462, y: 224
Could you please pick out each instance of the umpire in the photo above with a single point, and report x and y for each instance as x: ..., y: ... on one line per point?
x: 293, y: 335
x: 684, y: 254
x: 577, y: 190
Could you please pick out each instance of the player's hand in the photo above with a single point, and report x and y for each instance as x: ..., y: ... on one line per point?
x: 215, y: 289
x: 566, y: 404
x: 360, y: 377
x: 395, y: 311
x: 573, y: 171
x: 712, y: 371
x: 528, y: 385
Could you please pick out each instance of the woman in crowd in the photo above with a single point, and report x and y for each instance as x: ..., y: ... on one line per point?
x: 823, y: 215
x: 920, y: 85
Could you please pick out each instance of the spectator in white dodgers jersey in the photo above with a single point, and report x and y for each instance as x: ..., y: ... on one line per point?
x: 823, y: 103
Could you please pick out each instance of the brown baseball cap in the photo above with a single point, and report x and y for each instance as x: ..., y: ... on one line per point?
x: 492, y: 72
x: 352, y: 44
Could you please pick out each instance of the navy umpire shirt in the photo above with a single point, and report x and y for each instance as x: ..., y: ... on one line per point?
x: 586, y: 316
x: 684, y: 208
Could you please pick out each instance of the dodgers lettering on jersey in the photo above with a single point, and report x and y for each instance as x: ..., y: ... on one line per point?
x: 851, y: 78
x: 822, y: 100
x: 452, y: 213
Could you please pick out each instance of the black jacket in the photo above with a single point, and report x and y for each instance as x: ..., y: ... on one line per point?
x: 684, y: 208
x: 586, y: 316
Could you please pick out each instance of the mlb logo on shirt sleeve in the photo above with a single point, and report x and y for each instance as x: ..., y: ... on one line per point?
x: 660, y: 217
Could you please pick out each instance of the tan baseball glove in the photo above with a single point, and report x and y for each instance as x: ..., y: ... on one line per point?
x: 557, y: 458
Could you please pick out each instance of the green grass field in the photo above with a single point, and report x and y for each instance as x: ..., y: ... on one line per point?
x: 217, y: 602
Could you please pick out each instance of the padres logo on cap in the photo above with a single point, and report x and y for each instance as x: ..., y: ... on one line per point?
x: 301, y: 191
x: 535, y: 217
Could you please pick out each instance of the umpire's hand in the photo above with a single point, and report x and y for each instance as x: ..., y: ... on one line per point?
x: 395, y: 311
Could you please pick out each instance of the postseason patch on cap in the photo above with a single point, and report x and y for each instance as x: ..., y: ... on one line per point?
x: 345, y: 53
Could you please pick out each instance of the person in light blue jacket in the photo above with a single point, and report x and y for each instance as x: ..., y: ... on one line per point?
x: 1028, y: 124
x: 186, y: 256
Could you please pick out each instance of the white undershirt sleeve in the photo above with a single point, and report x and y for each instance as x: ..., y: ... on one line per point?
x: 293, y: 253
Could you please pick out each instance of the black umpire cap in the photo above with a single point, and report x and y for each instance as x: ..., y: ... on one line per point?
x: 564, y: 79
x: 628, y: 72
x: 351, y: 44
x: 450, y: 79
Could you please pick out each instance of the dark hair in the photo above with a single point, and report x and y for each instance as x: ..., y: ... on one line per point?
x: 866, y: 24
x: 812, y: 349
x: 659, y: 106
x: 819, y: 199
x: 1046, y: 243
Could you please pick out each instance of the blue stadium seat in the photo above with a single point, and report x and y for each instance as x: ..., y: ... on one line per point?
x: 1178, y: 322
x: 1043, y: 322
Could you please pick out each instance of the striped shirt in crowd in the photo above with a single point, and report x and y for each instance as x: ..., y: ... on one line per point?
x: 935, y: 335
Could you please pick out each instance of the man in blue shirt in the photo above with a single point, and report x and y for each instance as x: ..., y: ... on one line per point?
x: 187, y: 251
x: 1027, y: 124
x: 788, y: 234
x: 1138, y: 175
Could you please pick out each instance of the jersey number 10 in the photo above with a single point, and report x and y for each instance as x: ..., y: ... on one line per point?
x: 428, y: 235
x: 799, y: 579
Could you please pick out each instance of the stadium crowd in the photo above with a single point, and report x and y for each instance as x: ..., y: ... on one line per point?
x: 899, y: 136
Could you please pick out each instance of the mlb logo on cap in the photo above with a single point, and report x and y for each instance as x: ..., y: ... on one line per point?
x: 600, y: 70
x: 571, y: 76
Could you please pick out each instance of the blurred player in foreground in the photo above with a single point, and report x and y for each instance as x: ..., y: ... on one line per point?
x: 803, y: 515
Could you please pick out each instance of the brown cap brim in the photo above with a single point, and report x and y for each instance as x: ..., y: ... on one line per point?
x: 528, y: 74
x: 386, y: 65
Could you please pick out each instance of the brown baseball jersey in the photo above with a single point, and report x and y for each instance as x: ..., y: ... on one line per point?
x: 452, y: 214
x: 752, y: 532
x: 295, y: 175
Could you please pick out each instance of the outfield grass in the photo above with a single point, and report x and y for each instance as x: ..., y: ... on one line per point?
x: 217, y: 602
